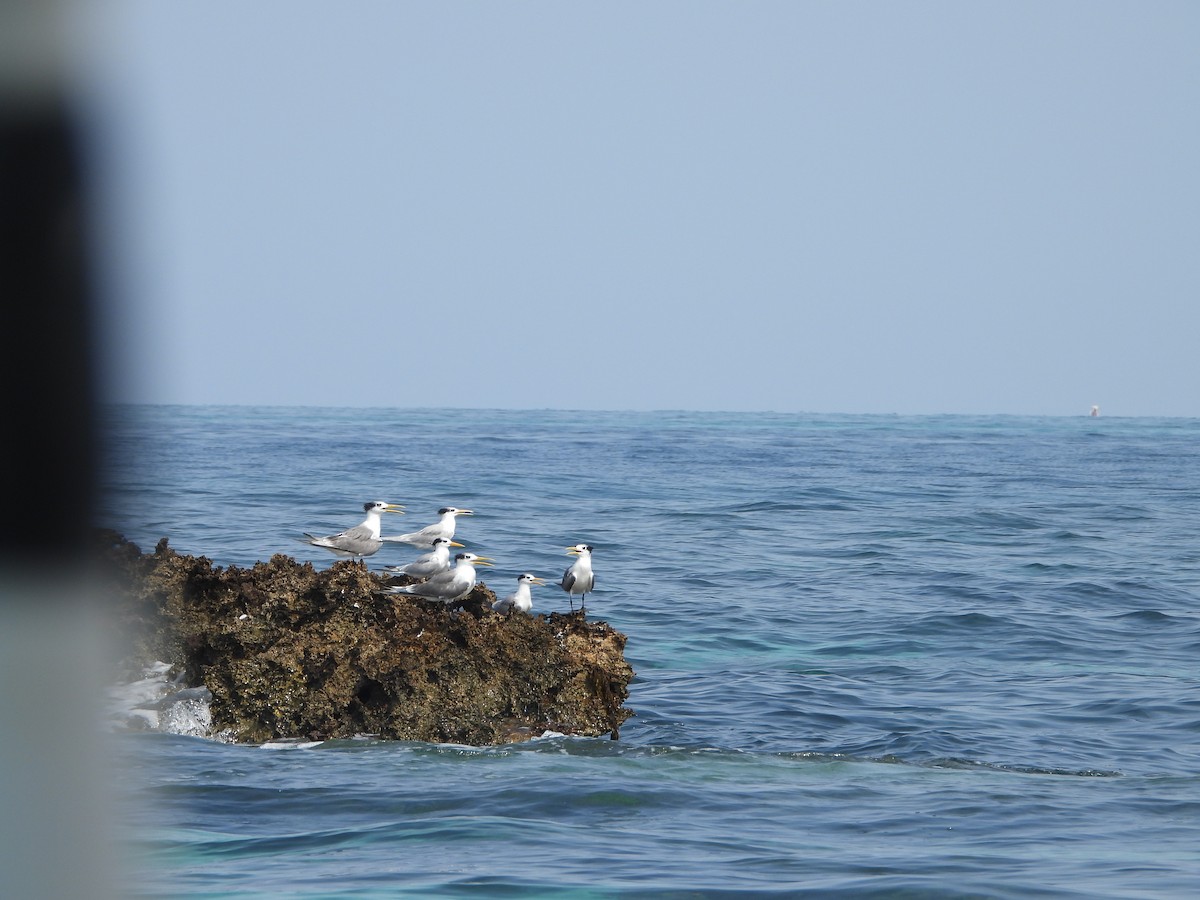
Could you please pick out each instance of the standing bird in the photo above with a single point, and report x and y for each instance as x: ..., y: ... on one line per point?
x: 432, y: 563
x: 442, y: 528
x: 579, y: 578
x: 520, y: 599
x: 361, y: 540
x: 447, y: 586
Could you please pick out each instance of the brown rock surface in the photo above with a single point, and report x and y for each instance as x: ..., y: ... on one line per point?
x: 289, y: 651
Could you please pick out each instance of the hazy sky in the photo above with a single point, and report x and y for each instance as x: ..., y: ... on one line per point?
x: 910, y: 207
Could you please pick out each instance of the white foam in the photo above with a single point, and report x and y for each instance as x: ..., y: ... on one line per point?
x: 156, y: 702
x: 290, y: 744
x: 190, y: 715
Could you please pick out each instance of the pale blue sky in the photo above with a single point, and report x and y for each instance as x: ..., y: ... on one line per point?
x: 796, y: 206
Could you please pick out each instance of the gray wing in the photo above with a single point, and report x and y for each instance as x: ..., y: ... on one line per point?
x: 425, y: 566
x: 422, y: 538
x: 357, y: 533
x: 439, y: 587
x: 422, y: 590
x: 422, y: 569
x: 571, y: 579
x: 354, y: 540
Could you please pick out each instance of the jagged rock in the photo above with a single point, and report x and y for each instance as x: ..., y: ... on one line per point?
x: 288, y: 651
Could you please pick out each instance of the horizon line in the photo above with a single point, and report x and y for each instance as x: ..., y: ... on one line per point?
x: 629, y: 410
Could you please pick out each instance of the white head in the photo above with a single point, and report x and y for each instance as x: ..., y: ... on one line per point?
x: 529, y: 578
x: 454, y: 511
x: 472, y: 559
x: 380, y: 506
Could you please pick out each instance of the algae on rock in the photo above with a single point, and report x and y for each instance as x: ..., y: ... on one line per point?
x: 289, y: 651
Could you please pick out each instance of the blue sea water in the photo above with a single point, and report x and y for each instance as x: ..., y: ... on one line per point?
x: 877, y: 656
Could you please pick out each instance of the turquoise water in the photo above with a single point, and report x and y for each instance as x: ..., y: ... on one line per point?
x: 877, y: 656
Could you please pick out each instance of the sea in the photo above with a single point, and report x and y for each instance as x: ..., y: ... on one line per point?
x: 877, y: 656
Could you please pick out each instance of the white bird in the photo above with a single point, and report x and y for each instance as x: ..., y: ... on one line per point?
x: 429, y: 564
x: 361, y: 540
x: 442, y: 528
x: 447, y: 586
x: 579, y: 578
x: 520, y: 599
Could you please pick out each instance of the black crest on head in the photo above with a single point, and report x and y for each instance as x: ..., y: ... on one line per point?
x: 367, y: 507
x: 444, y: 510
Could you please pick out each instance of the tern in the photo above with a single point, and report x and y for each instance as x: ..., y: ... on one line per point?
x: 361, y: 540
x: 520, y: 599
x: 429, y: 564
x: 579, y: 578
x: 442, y: 528
x: 447, y: 586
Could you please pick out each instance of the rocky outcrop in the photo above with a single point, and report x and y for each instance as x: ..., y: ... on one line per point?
x: 288, y: 651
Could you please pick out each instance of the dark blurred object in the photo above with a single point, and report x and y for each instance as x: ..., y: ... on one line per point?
x: 50, y: 434
x: 54, y: 813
